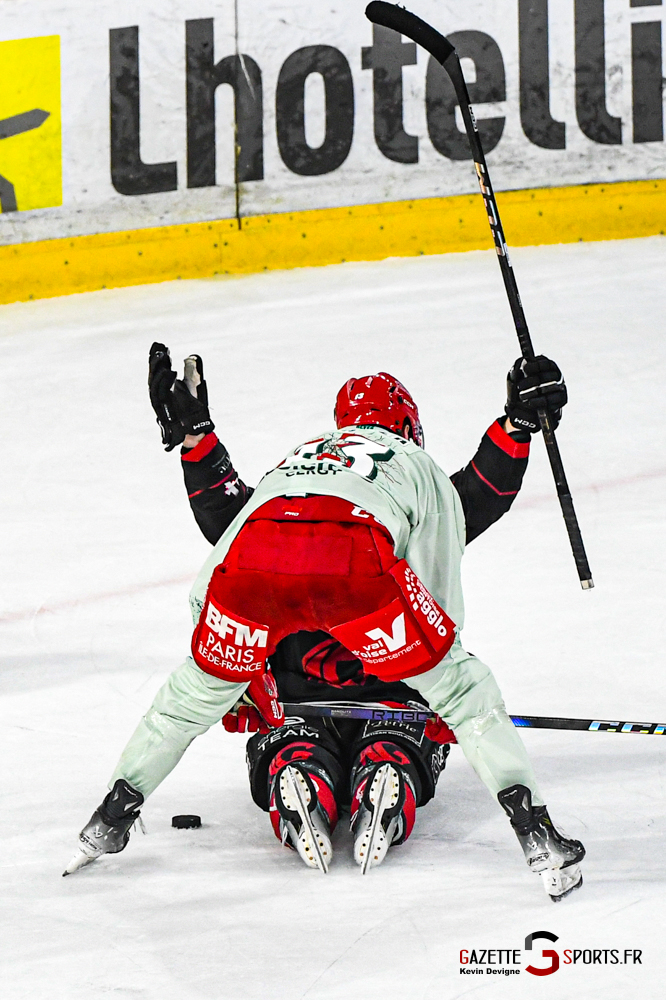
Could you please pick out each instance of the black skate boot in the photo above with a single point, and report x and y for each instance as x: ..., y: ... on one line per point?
x: 304, y: 813
x: 546, y: 851
x: 383, y: 805
x: 108, y: 829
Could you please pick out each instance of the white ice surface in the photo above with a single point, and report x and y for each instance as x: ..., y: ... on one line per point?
x: 99, y: 548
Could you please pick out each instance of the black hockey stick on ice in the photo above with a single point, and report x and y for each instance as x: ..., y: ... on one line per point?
x: 406, y: 23
x: 381, y: 714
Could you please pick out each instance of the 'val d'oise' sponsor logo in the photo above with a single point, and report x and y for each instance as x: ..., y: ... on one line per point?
x: 398, y: 637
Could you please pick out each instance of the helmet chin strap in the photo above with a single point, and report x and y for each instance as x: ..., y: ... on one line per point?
x: 408, y: 433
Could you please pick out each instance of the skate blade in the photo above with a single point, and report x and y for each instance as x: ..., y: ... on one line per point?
x: 80, y: 860
x: 313, y: 847
x: 372, y: 846
x: 561, y: 882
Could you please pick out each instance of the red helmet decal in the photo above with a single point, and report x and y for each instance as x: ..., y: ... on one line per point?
x: 380, y: 400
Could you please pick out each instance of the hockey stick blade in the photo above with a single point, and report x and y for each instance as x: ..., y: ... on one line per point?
x: 403, y: 21
x: 589, y: 725
x: 389, y: 15
x: 379, y: 714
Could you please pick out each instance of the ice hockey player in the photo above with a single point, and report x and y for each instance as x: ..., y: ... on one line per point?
x: 340, y: 757
x: 357, y: 533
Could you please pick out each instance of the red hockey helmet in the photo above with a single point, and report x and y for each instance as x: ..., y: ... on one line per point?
x: 382, y: 400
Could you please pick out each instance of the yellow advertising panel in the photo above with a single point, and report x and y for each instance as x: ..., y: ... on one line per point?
x: 30, y: 145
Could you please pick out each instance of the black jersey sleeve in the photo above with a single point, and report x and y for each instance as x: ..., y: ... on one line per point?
x: 215, y: 492
x: 488, y: 485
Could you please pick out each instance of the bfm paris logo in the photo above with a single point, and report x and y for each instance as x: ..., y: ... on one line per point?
x: 223, y: 625
x: 506, y: 961
x: 230, y: 648
x: 30, y: 153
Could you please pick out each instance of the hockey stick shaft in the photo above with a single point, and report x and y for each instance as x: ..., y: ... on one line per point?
x: 520, y: 721
x: 406, y: 23
x: 359, y: 712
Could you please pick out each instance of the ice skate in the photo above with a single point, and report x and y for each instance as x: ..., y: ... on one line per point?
x: 108, y: 829
x: 304, y: 822
x: 547, y: 852
x: 378, y: 818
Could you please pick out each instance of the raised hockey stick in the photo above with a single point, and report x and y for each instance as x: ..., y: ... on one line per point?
x: 406, y: 23
x: 379, y: 713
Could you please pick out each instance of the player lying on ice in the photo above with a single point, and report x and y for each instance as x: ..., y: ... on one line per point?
x: 358, y: 534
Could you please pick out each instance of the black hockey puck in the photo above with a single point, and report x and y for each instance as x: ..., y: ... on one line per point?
x: 186, y: 822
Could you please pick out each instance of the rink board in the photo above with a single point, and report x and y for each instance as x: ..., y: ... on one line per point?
x: 198, y: 137
x: 300, y: 239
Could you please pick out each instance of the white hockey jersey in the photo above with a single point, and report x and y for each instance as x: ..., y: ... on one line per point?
x: 386, y: 476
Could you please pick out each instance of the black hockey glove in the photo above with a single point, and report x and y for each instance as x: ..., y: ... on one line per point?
x: 531, y: 386
x: 181, y: 405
